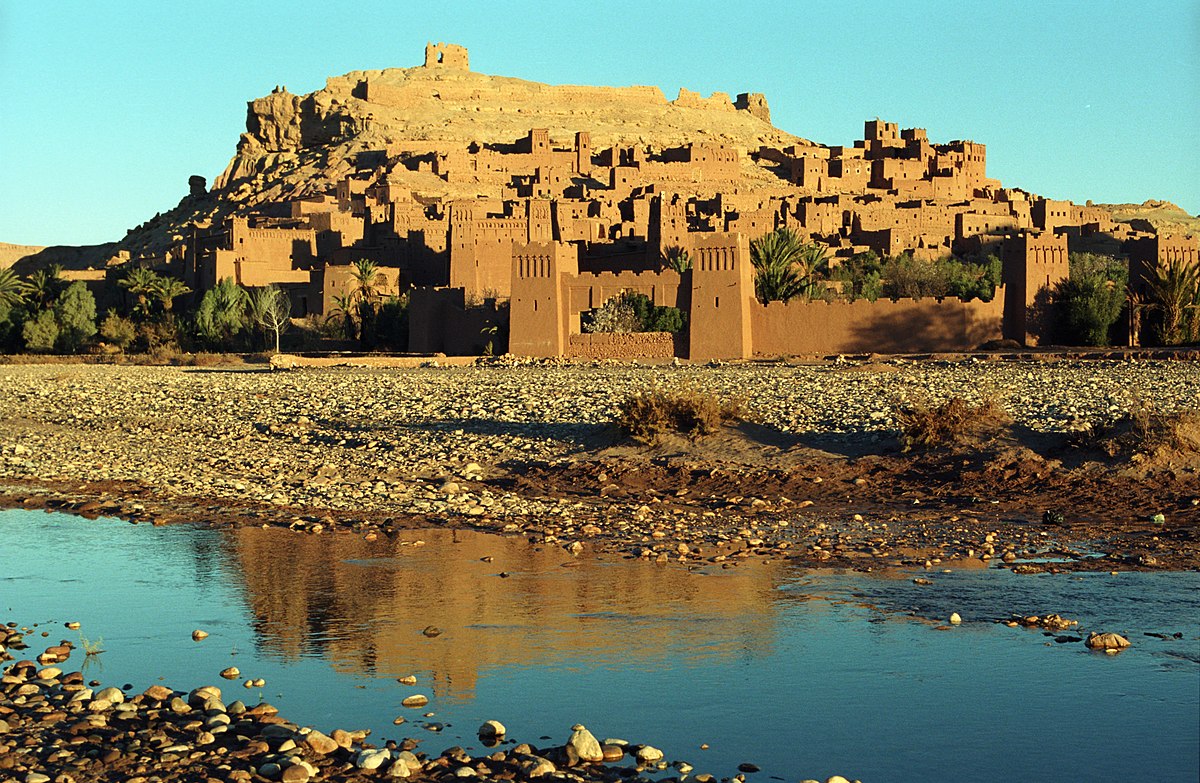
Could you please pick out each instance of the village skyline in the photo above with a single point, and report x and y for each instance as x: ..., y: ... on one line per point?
x: 78, y: 176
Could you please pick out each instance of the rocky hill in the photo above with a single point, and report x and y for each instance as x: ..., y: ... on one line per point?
x: 1161, y: 216
x: 302, y: 145
x: 10, y: 253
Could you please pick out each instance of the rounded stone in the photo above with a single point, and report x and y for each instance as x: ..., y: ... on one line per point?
x: 1106, y: 641
x: 585, y: 745
x: 648, y: 754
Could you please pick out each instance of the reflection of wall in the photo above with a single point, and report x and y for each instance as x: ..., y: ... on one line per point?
x: 326, y: 594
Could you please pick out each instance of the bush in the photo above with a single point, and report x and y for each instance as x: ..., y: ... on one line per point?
x: 1087, y: 308
x: 1142, y: 431
x: 118, y: 330
x: 41, y: 332
x: 648, y: 415
x: 953, y: 423
x: 633, y: 312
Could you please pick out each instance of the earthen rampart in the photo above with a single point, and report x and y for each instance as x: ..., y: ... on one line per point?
x: 884, y: 326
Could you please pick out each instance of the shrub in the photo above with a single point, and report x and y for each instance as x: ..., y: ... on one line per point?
x: 633, y: 312
x: 952, y: 423
x: 648, y: 415
x: 1087, y: 308
x: 118, y: 330
x: 41, y: 332
x: 1142, y: 431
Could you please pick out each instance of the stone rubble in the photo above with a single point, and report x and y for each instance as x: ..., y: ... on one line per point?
x: 54, y: 727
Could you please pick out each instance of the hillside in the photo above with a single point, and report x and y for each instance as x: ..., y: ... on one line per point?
x: 302, y: 145
x: 10, y: 253
x: 1162, y: 216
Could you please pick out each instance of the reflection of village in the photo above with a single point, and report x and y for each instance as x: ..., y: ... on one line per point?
x: 341, y: 597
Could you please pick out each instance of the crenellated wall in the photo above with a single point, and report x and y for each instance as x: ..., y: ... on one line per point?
x: 884, y: 326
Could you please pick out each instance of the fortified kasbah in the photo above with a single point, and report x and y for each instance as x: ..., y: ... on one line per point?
x: 504, y: 207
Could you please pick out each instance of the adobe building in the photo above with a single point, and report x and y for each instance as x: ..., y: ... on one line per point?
x: 565, y: 224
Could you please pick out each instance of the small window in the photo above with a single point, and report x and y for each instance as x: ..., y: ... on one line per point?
x: 716, y: 301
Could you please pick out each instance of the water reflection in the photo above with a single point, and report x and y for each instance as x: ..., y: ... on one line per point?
x: 363, y: 604
x: 805, y: 675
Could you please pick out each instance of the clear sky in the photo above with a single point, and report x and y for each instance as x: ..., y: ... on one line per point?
x: 108, y: 107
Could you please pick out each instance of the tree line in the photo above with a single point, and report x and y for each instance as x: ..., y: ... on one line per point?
x: 45, y: 313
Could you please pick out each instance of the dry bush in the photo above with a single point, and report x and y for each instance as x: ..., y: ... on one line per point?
x: 649, y: 415
x: 1142, y: 432
x: 955, y: 422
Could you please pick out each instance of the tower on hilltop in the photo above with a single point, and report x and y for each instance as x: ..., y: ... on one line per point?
x: 444, y: 55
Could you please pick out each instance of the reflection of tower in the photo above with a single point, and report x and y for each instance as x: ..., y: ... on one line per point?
x: 363, y: 604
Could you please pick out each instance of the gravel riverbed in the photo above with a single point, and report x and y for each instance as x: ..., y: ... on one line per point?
x: 315, y: 447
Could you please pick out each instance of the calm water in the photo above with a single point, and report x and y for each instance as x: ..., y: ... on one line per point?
x: 805, y: 675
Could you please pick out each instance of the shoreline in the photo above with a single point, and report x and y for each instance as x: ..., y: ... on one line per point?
x: 816, y: 478
x: 56, y: 726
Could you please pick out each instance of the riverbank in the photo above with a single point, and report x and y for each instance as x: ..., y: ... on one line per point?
x: 55, y: 726
x: 816, y: 477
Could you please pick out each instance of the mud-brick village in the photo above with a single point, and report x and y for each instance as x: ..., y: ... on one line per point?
x: 516, y: 414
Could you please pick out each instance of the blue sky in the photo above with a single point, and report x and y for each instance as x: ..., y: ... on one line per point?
x: 109, y: 107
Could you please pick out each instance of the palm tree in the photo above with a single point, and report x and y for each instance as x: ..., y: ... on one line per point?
x: 365, y: 276
x: 222, y: 313
x: 12, y: 288
x: 44, y: 286
x: 140, y: 282
x: 676, y: 258
x: 1175, y: 287
x: 344, y: 304
x: 785, y: 267
x: 775, y: 258
x: 166, y: 289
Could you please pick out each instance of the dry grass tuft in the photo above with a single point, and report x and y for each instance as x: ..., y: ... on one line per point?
x: 1142, y: 432
x: 649, y: 415
x: 955, y: 422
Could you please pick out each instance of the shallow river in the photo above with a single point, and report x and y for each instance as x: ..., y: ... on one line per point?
x: 805, y: 674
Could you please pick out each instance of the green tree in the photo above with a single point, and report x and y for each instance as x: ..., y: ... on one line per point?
x: 75, y: 311
x: 41, y: 332
x: 221, y: 316
x: 44, y: 286
x: 140, y: 282
x: 861, y: 276
x: 630, y: 311
x: 166, y: 289
x: 391, y: 323
x: 1091, y: 299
